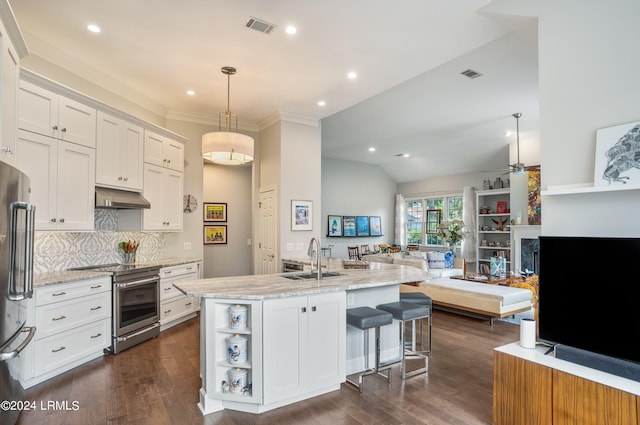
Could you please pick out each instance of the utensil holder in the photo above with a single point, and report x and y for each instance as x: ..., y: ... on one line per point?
x: 129, y: 257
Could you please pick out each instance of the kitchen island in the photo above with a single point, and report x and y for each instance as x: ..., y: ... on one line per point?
x: 292, y: 342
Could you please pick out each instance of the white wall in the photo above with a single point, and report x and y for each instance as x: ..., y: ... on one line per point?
x: 355, y: 188
x: 588, y: 80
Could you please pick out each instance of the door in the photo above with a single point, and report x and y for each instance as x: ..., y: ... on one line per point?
x: 268, y: 231
x: 76, y: 186
x: 8, y: 97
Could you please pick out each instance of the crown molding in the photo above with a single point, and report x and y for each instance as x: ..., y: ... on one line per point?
x: 13, y: 29
x: 288, y: 117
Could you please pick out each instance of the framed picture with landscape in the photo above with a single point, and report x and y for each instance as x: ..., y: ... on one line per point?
x: 362, y: 225
x: 348, y: 225
x: 375, y: 226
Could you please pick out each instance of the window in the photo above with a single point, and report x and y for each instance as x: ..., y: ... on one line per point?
x: 424, y: 216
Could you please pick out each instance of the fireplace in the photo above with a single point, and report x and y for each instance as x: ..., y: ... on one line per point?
x: 525, y: 244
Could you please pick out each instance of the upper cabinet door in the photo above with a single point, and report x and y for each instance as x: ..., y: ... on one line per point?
x: 163, y: 152
x: 10, y: 69
x: 119, y: 153
x: 37, y: 109
x: 44, y: 112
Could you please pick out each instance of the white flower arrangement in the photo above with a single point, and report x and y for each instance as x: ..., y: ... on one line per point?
x: 452, y: 231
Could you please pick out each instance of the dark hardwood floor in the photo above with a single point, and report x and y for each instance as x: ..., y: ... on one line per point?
x: 157, y: 383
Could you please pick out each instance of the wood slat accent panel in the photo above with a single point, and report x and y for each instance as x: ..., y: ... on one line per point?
x: 577, y: 401
x: 521, y: 392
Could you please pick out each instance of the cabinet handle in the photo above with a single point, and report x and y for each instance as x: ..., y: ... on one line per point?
x: 189, y: 268
x: 167, y: 272
x: 313, y: 308
x: 57, y: 294
x: 96, y: 287
x: 187, y: 304
x: 168, y: 289
x: 53, y: 220
x: 64, y: 129
x: 304, y: 309
x: 167, y: 312
x: 55, y: 319
x: 95, y: 308
x: 120, y: 178
x: 59, y: 349
x: 55, y: 127
x: 62, y: 220
x: 95, y: 336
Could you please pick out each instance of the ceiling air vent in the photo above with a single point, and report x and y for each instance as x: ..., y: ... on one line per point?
x: 260, y: 25
x: 471, y: 73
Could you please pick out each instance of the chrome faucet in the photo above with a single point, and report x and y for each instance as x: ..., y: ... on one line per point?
x: 315, y: 241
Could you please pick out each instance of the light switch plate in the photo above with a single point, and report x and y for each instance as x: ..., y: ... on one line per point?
x: 290, y: 246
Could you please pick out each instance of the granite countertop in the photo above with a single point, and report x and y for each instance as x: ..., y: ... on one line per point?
x: 65, y: 276
x: 257, y: 287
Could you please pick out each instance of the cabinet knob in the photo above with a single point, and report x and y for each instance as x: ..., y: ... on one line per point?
x: 304, y: 309
x: 313, y: 308
x: 126, y: 179
x: 62, y: 220
x: 64, y: 130
x: 53, y: 220
x: 168, y: 161
x: 6, y: 149
x: 119, y: 178
x: 55, y: 127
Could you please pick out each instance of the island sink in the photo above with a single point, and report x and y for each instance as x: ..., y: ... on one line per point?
x: 302, y: 276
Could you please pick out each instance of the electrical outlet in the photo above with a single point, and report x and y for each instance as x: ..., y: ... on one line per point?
x: 300, y: 246
x: 290, y: 246
x: 187, y: 245
x: 351, y: 299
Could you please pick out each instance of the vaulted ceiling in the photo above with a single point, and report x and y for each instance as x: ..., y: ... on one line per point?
x: 409, y: 95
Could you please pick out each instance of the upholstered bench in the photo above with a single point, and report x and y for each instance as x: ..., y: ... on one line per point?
x: 475, y: 298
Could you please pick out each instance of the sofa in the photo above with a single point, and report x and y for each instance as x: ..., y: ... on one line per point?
x: 419, y: 260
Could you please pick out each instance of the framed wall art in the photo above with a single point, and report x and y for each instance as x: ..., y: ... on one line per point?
x: 348, y: 225
x: 215, y: 234
x: 617, y: 149
x: 362, y: 225
x: 215, y: 211
x: 375, y: 225
x: 301, y: 215
x: 334, y: 225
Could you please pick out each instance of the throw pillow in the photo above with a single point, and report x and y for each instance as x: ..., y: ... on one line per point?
x: 436, y: 260
x: 440, y: 260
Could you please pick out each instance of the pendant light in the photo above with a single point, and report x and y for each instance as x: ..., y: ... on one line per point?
x: 227, y: 146
x: 518, y: 167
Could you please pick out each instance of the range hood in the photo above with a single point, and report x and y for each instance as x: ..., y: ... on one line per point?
x: 119, y: 199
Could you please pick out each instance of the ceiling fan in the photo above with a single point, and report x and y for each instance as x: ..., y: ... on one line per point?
x: 519, y: 167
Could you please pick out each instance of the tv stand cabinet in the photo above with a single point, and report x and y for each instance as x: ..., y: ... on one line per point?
x: 531, y: 388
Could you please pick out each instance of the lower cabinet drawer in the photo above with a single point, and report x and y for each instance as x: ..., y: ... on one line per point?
x: 177, y: 307
x: 58, y: 350
x: 59, y: 317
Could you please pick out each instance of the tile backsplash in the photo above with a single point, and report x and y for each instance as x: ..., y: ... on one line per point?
x: 56, y: 251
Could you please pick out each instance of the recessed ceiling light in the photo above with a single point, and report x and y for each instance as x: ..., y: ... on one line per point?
x: 321, y: 103
x: 352, y: 75
x: 290, y: 30
x: 372, y: 149
x: 191, y: 93
x: 93, y: 28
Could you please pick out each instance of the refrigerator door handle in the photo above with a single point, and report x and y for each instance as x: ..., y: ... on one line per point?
x: 19, y: 348
x: 27, y: 292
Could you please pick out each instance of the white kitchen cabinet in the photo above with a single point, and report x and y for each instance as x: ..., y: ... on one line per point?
x: 163, y: 188
x: 9, y: 80
x: 73, y: 322
x: 175, y: 307
x: 62, y: 181
x: 45, y: 112
x: 304, y: 345
x: 119, y: 153
x: 162, y: 151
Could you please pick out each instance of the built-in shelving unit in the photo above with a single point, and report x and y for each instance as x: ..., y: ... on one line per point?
x: 493, y: 240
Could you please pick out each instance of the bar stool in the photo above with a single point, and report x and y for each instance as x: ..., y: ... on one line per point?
x: 365, y: 318
x: 403, y: 312
x: 425, y: 300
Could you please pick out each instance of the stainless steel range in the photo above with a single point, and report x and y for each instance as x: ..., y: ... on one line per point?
x: 136, y: 303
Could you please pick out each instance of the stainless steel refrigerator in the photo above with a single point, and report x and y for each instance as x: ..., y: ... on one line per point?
x: 16, y: 283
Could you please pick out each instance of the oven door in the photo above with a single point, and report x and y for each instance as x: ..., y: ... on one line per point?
x: 135, y: 305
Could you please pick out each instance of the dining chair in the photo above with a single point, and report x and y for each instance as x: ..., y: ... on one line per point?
x: 354, y: 253
x: 364, y: 249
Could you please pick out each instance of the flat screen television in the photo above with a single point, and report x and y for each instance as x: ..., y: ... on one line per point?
x: 589, y: 294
